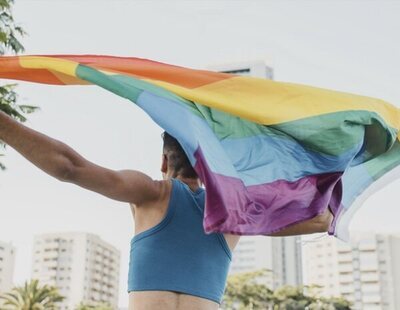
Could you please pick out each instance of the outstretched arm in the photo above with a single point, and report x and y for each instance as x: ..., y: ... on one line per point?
x: 62, y: 162
x: 318, y: 224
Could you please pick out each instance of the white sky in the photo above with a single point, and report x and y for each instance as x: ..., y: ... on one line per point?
x: 345, y: 45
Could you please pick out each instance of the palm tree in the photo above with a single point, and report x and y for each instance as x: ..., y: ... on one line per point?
x: 31, y: 296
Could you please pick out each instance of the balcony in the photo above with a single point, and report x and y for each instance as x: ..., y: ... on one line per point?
x: 51, y: 244
x: 371, y: 298
x: 369, y: 277
x: 346, y: 289
x: 51, y: 264
x: 98, y: 268
x: 347, y: 257
x: 97, y: 276
x: 367, y: 246
x: 343, y: 268
x: 372, y: 266
x: 343, y: 248
x: 346, y: 278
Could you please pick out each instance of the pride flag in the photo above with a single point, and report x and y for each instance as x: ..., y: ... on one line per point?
x: 270, y: 154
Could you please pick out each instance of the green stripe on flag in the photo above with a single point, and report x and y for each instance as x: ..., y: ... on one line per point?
x: 130, y: 87
x: 108, y: 82
x: 332, y: 134
x: 383, y: 163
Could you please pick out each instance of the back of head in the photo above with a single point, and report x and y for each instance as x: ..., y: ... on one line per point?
x: 178, y: 162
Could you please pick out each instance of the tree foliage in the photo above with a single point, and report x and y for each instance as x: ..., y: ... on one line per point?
x: 246, y: 291
x: 9, y: 31
x: 9, y: 43
x: 31, y: 296
x: 292, y: 298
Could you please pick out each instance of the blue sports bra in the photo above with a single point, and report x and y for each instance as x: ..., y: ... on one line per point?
x: 176, y: 254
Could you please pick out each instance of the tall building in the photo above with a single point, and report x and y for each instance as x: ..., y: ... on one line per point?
x: 366, y: 271
x: 7, y: 261
x: 82, y: 266
x: 282, y: 256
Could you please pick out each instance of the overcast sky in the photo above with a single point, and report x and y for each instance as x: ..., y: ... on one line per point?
x: 350, y: 46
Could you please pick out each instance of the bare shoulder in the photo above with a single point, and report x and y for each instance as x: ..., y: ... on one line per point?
x: 151, y: 212
x: 162, y: 189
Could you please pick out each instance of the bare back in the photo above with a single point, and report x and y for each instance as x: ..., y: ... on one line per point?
x: 165, y: 300
x: 146, y: 217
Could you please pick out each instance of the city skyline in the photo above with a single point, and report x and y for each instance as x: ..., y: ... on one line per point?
x: 364, y: 272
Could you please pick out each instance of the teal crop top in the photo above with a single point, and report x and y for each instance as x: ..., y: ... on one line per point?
x: 176, y: 254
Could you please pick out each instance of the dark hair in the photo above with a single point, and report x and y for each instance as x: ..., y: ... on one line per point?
x: 178, y: 162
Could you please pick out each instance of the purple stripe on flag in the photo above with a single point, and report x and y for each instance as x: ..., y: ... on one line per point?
x: 231, y: 207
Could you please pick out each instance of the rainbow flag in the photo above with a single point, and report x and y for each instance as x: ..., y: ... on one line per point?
x: 270, y: 154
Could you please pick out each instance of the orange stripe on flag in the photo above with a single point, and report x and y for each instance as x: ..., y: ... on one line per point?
x: 148, y: 69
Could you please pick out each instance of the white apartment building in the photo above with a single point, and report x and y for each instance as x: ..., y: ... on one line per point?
x: 82, y: 266
x: 282, y: 256
x: 7, y: 261
x: 366, y: 271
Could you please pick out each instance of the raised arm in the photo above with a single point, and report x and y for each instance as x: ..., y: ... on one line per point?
x: 62, y: 162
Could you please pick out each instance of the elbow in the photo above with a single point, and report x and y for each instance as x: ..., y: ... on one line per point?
x: 66, y: 173
x: 323, y: 221
x: 66, y: 164
x: 322, y: 227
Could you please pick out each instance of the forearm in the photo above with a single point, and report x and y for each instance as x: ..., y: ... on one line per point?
x: 50, y: 155
x: 318, y: 224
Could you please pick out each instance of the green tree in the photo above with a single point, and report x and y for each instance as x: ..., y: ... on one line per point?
x: 93, y: 306
x: 9, y: 43
x: 339, y: 303
x: 325, y: 303
x: 292, y: 298
x: 244, y: 291
x: 333, y: 303
x: 31, y: 296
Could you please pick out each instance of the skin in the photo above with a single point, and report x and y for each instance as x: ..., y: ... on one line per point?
x: 147, y: 198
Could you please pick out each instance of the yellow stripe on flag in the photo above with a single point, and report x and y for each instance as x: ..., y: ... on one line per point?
x: 268, y: 102
x: 63, y: 66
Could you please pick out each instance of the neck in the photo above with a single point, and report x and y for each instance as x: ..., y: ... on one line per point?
x: 193, y: 184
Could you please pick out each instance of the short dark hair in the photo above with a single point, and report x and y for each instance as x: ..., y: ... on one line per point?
x: 178, y: 161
